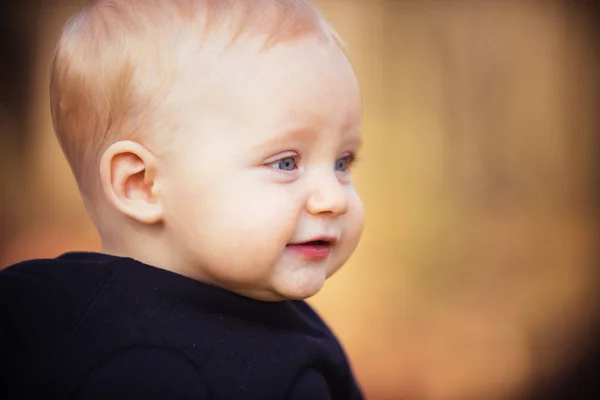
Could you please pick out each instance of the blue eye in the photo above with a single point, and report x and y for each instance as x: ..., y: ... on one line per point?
x: 285, y: 164
x: 342, y: 164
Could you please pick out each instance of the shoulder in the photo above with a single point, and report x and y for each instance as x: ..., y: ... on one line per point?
x: 148, y: 372
x: 35, y: 277
x: 40, y: 286
x: 42, y: 299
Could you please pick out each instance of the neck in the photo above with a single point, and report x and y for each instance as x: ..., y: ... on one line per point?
x: 142, y: 243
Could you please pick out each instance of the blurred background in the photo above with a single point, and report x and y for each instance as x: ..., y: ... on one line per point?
x: 478, y: 273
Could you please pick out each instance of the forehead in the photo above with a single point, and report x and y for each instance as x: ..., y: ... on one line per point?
x: 294, y: 86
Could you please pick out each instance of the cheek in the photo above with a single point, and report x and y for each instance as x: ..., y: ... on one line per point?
x: 353, y: 225
x: 241, y: 214
x: 256, y: 208
x: 355, y: 219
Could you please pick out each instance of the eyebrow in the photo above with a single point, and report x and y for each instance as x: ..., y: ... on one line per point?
x: 280, y: 139
x: 353, y: 138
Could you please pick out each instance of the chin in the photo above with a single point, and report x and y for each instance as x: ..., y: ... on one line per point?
x: 300, y: 289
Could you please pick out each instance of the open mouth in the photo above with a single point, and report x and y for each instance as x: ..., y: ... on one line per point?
x: 312, y: 250
x: 316, y: 243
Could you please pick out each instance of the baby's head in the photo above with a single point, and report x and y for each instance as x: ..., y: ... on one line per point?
x: 214, y: 138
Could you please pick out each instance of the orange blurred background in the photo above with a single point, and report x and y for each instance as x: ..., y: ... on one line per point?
x: 477, y: 276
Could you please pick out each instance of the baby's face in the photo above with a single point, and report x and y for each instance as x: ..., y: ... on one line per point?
x: 257, y: 186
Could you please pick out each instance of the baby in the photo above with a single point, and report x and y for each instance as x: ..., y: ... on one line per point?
x: 212, y: 143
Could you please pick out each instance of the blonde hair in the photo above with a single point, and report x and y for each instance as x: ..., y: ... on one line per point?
x: 114, y: 63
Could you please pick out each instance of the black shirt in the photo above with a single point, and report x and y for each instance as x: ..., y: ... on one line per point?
x: 93, y: 326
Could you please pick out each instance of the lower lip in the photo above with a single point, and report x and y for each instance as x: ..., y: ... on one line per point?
x: 311, y: 252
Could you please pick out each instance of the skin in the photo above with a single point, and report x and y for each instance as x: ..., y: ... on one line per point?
x: 260, y: 161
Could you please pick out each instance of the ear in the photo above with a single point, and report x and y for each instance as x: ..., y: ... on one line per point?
x: 128, y: 175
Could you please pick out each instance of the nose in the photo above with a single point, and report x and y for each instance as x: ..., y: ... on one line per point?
x: 327, y: 196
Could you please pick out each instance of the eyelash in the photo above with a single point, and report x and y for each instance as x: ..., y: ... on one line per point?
x: 351, y: 161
